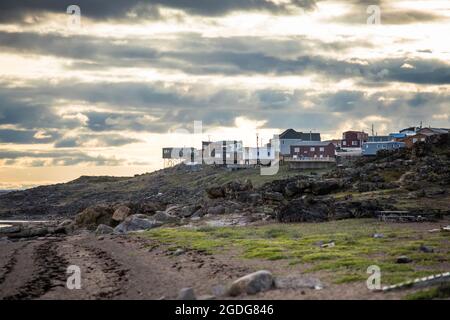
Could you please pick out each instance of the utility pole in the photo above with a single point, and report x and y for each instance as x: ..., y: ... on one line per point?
x: 257, y: 148
x: 372, y: 130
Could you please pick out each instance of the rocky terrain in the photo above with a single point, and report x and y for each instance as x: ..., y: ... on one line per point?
x: 93, y: 221
x: 415, y: 180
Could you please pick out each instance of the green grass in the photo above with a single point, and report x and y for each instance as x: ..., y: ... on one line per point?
x: 254, y: 175
x: 440, y: 292
x: 391, y: 175
x: 354, y: 251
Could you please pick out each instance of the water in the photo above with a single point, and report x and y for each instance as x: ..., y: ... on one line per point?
x: 22, y: 221
x: 10, y: 223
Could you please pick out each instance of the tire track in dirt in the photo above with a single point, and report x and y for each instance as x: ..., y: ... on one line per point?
x: 114, y: 272
x: 49, y: 273
x: 9, y: 266
x: 102, y: 277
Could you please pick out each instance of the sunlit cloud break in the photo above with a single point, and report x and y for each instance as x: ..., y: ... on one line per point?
x: 101, y: 93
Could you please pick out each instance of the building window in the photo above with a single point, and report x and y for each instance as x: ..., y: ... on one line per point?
x: 312, y: 149
x: 344, y: 143
x: 414, y: 140
x: 322, y: 149
x: 296, y: 149
x: 354, y: 143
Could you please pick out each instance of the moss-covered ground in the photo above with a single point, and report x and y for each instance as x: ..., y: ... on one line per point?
x: 354, y: 251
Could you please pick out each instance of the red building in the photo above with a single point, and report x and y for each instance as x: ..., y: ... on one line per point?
x: 313, y: 149
x: 354, y: 139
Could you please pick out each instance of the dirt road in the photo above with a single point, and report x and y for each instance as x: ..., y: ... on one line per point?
x: 112, y: 268
x: 126, y: 267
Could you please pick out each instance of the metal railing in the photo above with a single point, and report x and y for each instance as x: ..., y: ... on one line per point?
x: 299, y: 159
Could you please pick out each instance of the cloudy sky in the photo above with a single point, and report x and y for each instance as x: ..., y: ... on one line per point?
x: 104, y: 96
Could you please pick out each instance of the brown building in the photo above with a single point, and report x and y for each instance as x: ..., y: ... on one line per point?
x: 433, y: 131
x: 313, y: 149
x: 354, y: 139
x: 410, y: 140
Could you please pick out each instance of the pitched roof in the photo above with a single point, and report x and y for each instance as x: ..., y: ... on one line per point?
x: 292, y: 134
x: 434, y: 130
x: 312, y: 143
x: 409, y: 129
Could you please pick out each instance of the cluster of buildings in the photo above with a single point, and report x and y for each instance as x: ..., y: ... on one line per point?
x: 299, y: 149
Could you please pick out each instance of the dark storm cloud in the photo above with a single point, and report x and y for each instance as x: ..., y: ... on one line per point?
x: 344, y: 101
x: 66, y: 158
x: 11, y: 11
x: 76, y: 47
x: 393, y: 105
x: 143, y: 107
x: 100, y: 53
x: 227, y: 57
x: 106, y: 140
x: 67, y: 143
x: 15, y: 109
x: 397, y: 109
x: 26, y: 136
x: 102, y: 9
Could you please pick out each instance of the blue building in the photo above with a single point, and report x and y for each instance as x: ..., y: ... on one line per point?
x: 371, y: 148
x: 379, y: 138
x: 397, y: 135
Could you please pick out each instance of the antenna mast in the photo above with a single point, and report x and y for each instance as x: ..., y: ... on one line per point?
x: 257, y: 148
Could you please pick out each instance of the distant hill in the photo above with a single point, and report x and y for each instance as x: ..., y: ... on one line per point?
x: 410, y: 179
x: 179, y: 184
x: 5, y: 191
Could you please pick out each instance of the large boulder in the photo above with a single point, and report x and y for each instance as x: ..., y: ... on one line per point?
x: 186, y: 294
x: 251, y: 283
x: 150, y: 207
x: 237, y: 186
x: 66, y: 223
x: 164, y: 217
x: 360, y: 209
x: 216, y: 210
x: 230, y: 190
x: 273, y: 196
x: 215, y: 192
x: 304, y: 210
x: 32, y: 231
x: 91, y: 217
x: 325, y: 186
x: 136, y: 222
x: 173, y: 209
x: 10, y: 229
x: 121, y: 213
x: 104, y: 229
x: 291, y: 189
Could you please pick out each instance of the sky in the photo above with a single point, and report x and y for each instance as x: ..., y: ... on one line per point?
x: 101, y: 93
